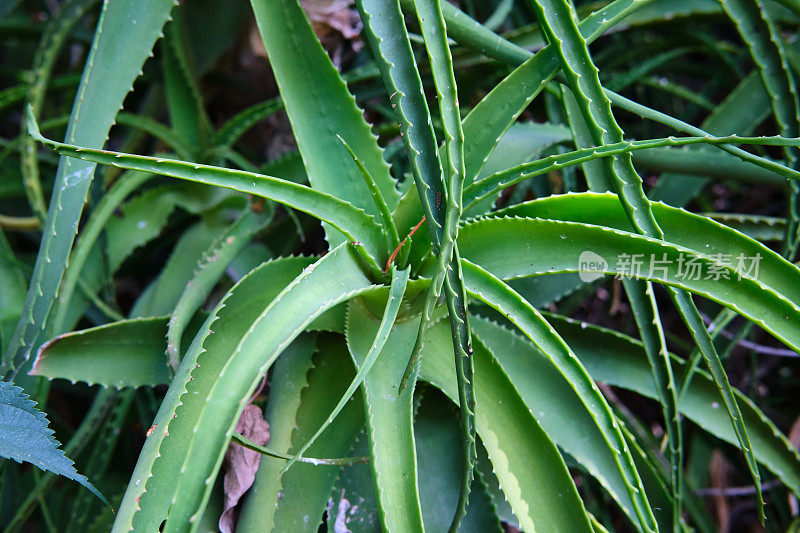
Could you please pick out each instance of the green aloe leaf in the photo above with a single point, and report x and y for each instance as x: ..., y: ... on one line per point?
x: 53, y: 39
x: 765, y: 42
x: 559, y: 411
x: 768, y: 305
x: 354, y: 223
x: 315, y: 97
x: 494, y: 114
x: 746, y: 294
x: 760, y: 228
x: 520, y: 85
x: 429, y: 14
x: 388, y: 39
x: 126, y: 226
x: 393, y: 302
x: 236, y: 126
x: 492, y: 185
x: 107, y: 78
x: 306, y: 488
x: 223, y: 376
x: 289, y: 380
x: 25, y: 436
x: 389, y: 417
x: 745, y: 107
x: 647, y: 316
x: 207, y: 273
x: 437, y: 433
x: 384, y: 215
x: 558, y: 21
x: 531, y: 471
x: 680, y: 227
x: 619, y: 360
x: 121, y: 354
x: 487, y: 288
x: 185, y: 103
x: 242, y: 304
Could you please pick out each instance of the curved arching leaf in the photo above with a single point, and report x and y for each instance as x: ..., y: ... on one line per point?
x: 209, y: 269
x: 689, y: 230
x: 242, y: 302
x: 395, y: 298
x: 289, y: 380
x: 390, y: 417
x: 484, y: 242
x: 619, y: 360
x: 122, y: 354
x: 487, y: 288
x: 354, y: 223
x: 559, y: 411
x: 218, y: 385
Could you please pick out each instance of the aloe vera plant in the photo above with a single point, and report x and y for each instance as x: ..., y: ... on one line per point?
x: 423, y: 371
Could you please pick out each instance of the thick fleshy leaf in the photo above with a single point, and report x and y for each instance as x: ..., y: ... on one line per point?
x: 619, y: 360
x: 289, y: 379
x: 557, y: 408
x: 389, y: 417
x: 393, y: 303
x: 315, y: 97
x: 122, y: 354
x: 531, y: 471
x: 213, y: 388
x: 767, y: 304
x: 305, y: 489
x: 487, y: 288
x: 261, y: 285
x: 354, y: 223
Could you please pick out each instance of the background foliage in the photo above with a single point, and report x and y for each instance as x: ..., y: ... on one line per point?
x: 426, y: 356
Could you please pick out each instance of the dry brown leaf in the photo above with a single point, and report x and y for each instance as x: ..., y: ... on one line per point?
x: 327, y: 16
x: 241, y: 463
x: 718, y: 469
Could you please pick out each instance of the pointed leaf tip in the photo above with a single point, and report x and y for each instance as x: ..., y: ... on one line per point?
x: 25, y: 436
x: 33, y: 127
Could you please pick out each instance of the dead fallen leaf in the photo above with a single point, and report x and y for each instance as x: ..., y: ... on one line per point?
x: 241, y: 463
x: 327, y: 16
x: 718, y: 469
x: 335, y: 23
